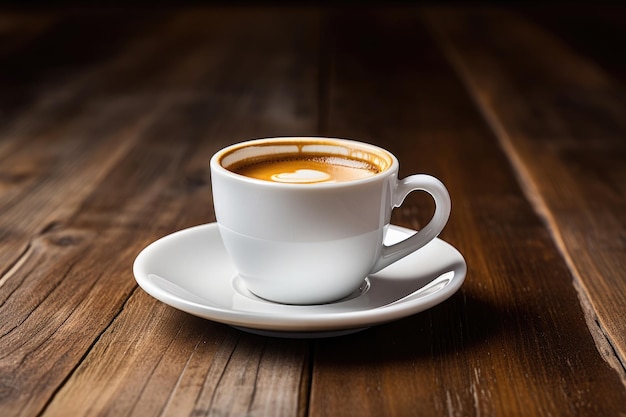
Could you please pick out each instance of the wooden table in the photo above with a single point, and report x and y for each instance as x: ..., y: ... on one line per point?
x: 108, y: 118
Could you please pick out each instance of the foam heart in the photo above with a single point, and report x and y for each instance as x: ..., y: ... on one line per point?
x: 302, y: 176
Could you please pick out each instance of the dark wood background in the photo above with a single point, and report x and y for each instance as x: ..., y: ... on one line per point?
x: 108, y: 116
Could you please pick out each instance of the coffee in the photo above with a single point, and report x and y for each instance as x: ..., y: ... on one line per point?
x: 305, y: 160
x: 306, y: 169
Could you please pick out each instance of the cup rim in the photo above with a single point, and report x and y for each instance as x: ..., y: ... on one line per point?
x: 216, y: 161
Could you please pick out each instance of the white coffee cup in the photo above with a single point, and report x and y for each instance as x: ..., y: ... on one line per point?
x: 313, y: 243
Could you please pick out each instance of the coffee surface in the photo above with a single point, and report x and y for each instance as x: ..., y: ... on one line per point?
x: 306, y: 169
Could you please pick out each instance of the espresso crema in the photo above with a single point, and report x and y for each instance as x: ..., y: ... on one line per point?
x: 305, y: 160
x: 306, y: 169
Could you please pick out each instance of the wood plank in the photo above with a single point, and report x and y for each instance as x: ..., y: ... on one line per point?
x: 213, y: 90
x: 48, y: 47
x: 46, y: 164
x: 56, y: 299
x: 77, y: 335
x: 18, y: 30
x: 514, y: 340
x: 560, y: 119
x: 595, y: 32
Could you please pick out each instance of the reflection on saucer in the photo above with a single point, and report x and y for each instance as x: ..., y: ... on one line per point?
x: 191, y: 271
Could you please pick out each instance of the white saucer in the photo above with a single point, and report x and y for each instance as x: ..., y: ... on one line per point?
x: 190, y: 270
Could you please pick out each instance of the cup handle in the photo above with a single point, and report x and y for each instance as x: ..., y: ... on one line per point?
x: 439, y: 193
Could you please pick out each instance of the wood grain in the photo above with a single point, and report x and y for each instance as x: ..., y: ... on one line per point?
x: 514, y: 341
x: 139, y: 356
x: 560, y: 119
x: 595, y: 33
x: 108, y: 117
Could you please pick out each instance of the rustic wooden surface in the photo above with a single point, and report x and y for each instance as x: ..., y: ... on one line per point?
x: 108, y: 117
